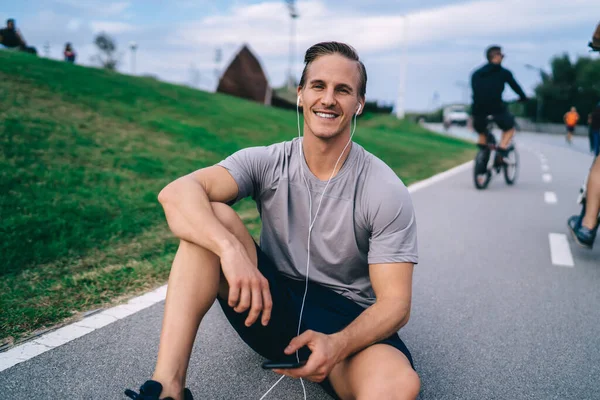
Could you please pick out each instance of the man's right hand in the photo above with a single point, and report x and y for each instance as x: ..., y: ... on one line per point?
x: 248, y: 288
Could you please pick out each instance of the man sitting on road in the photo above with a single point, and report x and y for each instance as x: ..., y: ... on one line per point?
x: 487, y: 84
x: 584, y: 226
x: 571, y: 118
x: 352, y: 238
x: 12, y: 38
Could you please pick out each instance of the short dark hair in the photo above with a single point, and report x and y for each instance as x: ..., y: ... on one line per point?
x: 327, y: 48
x: 8, y: 21
x: 493, y: 51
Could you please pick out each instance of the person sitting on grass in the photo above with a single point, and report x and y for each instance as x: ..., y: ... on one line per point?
x: 11, y: 37
x: 338, y: 241
x: 69, y: 53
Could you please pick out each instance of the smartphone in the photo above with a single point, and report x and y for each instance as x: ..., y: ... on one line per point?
x: 282, y: 364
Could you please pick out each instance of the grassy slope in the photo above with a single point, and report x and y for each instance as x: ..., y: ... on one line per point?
x: 84, y: 154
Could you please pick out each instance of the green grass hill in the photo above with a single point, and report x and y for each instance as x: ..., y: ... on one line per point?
x: 84, y: 153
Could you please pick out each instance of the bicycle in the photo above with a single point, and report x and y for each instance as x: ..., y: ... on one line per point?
x: 487, y: 161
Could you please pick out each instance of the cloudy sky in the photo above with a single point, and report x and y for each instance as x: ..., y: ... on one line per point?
x: 178, y: 39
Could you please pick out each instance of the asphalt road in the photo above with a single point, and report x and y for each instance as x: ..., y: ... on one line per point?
x: 492, y: 316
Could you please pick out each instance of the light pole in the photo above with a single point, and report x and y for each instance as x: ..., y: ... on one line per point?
x: 538, y: 110
x: 293, y: 15
x: 403, y: 63
x: 133, y: 46
x: 218, y: 58
x: 464, y: 86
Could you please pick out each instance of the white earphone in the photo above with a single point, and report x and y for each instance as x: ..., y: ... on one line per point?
x: 311, y: 224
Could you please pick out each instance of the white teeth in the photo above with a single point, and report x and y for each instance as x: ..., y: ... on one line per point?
x: 323, y: 115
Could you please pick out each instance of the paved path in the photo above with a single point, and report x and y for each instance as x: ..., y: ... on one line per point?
x: 493, y: 316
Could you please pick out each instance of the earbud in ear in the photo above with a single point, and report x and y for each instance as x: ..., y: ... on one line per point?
x: 359, y: 108
x: 298, y: 101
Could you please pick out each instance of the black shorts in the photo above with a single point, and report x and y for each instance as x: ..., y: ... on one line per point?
x: 325, y: 311
x: 570, y: 128
x: 504, y: 120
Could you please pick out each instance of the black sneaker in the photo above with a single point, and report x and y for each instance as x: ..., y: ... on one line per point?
x: 583, y: 236
x: 150, y: 390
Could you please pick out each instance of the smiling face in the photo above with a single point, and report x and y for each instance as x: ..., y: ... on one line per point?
x: 330, y: 96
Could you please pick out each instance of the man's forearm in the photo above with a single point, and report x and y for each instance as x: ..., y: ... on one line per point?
x: 23, y: 43
x: 376, y: 323
x: 190, y: 216
x: 517, y: 88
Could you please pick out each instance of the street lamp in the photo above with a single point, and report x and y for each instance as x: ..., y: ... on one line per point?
x: 538, y: 110
x: 133, y: 46
x: 464, y: 86
x: 293, y: 15
x: 403, y: 62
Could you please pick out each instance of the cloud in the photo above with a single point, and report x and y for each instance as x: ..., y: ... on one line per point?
x: 97, y: 7
x: 266, y: 26
x: 445, y: 43
x: 74, y: 24
x: 112, y: 27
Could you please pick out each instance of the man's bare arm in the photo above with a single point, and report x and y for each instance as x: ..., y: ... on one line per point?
x: 186, y: 202
x: 392, y: 284
x: 20, y: 36
x: 187, y: 205
x: 393, y: 287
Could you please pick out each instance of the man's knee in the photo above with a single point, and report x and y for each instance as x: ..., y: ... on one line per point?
x: 403, y: 386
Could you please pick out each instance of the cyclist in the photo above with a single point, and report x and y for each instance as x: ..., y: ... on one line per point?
x: 487, y: 84
x: 585, y: 225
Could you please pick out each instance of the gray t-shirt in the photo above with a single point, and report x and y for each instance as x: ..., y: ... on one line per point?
x: 366, y: 217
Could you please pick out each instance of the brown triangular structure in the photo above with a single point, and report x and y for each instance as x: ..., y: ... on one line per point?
x: 245, y: 78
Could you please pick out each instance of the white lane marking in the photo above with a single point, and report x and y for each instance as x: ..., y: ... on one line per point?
x: 545, y: 167
x: 560, y: 250
x: 547, y: 178
x: 439, y: 177
x: 42, y: 344
x: 65, y: 334
x: 550, y: 198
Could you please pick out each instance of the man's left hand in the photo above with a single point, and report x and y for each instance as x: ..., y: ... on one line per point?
x: 326, y: 353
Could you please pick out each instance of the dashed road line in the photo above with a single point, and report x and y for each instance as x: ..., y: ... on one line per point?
x: 550, y: 198
x: 560, y: 251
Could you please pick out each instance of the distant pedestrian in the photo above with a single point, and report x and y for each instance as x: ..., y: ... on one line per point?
x: 594, y: 130
x: 571, y: 119
x: 69, y: 53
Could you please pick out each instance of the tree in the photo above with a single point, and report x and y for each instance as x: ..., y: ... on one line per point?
x: 569, y: 84
x: 108, y: 57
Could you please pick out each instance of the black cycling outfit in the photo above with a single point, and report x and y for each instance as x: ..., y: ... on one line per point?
x: 487, y: 84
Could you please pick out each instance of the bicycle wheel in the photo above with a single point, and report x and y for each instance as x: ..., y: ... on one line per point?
x: 511, y: 167
x: 481, y: 175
